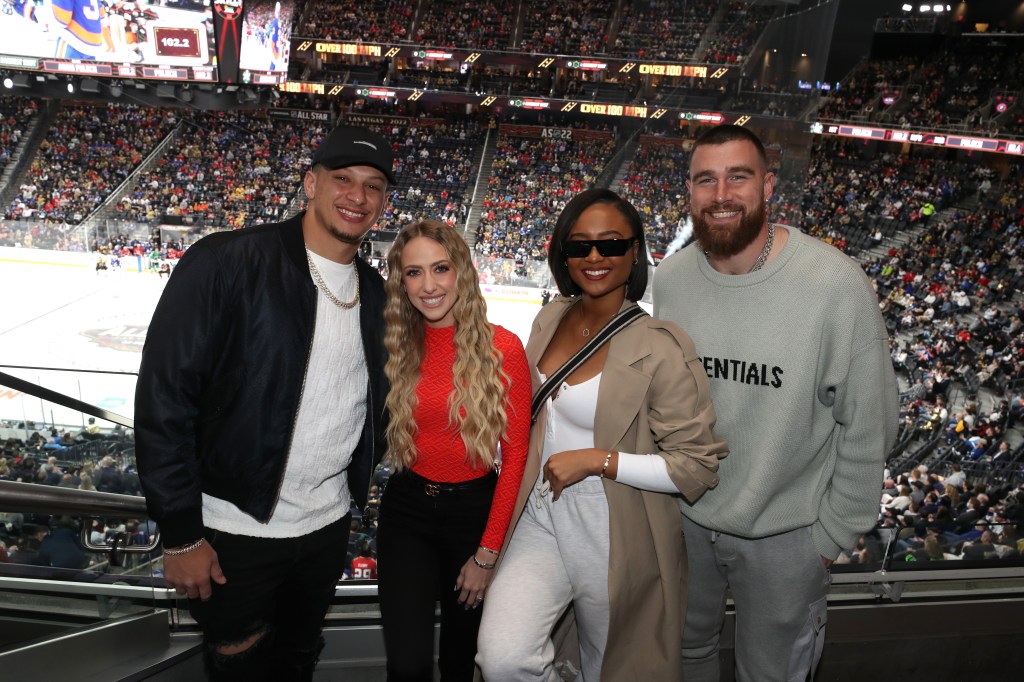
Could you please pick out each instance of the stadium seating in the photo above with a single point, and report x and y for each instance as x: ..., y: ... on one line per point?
x: 532, y: 179
x: 87, y: 153
x: 662, y: 29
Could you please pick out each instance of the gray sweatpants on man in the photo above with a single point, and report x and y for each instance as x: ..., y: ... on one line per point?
x: 558, y: 556
x: 779, y: 587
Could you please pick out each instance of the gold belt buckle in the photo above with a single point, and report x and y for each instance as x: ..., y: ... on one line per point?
x: 432, y: 489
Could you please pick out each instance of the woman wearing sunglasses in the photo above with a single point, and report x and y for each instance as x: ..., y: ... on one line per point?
x: 611, y: 450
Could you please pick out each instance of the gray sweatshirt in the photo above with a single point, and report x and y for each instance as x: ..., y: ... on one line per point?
x: 797, y: 356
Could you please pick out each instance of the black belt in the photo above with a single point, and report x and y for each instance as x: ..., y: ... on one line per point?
x: 433, y: 488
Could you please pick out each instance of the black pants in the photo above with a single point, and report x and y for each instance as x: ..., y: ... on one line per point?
x: 279, y: 587
x: 423, y: 540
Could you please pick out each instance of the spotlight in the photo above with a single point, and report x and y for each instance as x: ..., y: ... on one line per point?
x: 116, y: 90
x: 936, y: 8
x: 925, y: 8
x: 8, y: 82
x: 71, y: 88
x: 907, y: 7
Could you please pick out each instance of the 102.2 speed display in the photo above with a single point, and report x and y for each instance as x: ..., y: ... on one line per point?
x: 177, y: 42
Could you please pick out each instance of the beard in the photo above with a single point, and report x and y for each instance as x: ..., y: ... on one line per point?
x: 723, y: 242
x: 346, y: 238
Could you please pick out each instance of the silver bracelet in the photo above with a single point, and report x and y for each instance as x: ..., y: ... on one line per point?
x: 185, y: 549
x: 480, y: 564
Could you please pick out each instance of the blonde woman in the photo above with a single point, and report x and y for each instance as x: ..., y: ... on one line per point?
x: 460, y: 387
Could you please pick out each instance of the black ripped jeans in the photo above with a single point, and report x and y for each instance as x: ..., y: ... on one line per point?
x: 281, y: 587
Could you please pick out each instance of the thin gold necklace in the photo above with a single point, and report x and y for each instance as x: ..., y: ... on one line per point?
x: 586, y: 329
x: 322, y: 286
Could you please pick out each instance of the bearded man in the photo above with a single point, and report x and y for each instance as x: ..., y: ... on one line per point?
x: 793, y: 343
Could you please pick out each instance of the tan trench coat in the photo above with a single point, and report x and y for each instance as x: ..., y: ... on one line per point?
x: 654, y: 397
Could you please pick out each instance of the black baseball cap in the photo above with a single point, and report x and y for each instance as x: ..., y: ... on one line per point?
x: 355, y: 146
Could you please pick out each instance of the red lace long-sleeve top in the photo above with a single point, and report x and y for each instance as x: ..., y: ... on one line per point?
x: 441, y: 452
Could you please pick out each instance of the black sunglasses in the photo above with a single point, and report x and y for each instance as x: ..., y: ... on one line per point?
x: 580, y: 248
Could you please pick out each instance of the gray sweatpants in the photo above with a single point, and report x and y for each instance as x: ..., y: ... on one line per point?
x: 779, y: 587
x: 558, y: 555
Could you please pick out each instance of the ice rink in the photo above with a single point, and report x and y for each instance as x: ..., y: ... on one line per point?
x: 71, y: 318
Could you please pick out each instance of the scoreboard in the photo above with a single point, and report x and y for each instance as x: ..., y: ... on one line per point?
x: 113, y: 38
x: 934, y: 139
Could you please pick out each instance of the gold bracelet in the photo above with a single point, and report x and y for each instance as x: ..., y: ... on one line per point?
x: 607, y: 461
x: 185, y: 549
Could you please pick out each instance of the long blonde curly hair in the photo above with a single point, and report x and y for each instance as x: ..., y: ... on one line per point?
x: 476, y: 408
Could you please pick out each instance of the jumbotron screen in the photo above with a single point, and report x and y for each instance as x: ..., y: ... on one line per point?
x: 266, y: 36
x: 172, y: 40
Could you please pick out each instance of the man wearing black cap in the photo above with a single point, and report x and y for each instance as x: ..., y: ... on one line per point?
x: 260, y: 414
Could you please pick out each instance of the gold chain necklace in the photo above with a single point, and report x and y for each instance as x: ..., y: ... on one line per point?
x: 586, y: 329
x: 322, y: 286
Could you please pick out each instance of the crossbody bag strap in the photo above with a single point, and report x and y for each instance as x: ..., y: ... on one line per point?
x: 617, y: 324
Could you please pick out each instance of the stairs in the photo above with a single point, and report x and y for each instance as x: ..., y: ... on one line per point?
x: 483, y: 166
x: 625, y: 155
x: 16, y: 171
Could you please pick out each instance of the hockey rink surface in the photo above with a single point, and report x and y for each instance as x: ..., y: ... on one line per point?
x: 70, y: 317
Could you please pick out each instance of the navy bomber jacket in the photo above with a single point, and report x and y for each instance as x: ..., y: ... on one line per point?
x: 222, y: 373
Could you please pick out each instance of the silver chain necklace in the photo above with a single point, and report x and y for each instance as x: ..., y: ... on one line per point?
x: 322, y: 286
x: 761, y: 257
x: 766, y: 250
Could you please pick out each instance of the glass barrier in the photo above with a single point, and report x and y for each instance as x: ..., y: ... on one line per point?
x: 60, y: 567
x: 48, y: 445
x: 59, y: 447
x: 87, y: 235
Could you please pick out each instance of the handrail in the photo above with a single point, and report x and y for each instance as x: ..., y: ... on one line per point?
x: 52, y: 396
x: 142, y: 587
x: 368, y: 589
x: 52, y: 500
x: 48, y: 499
x: 55, y: 501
